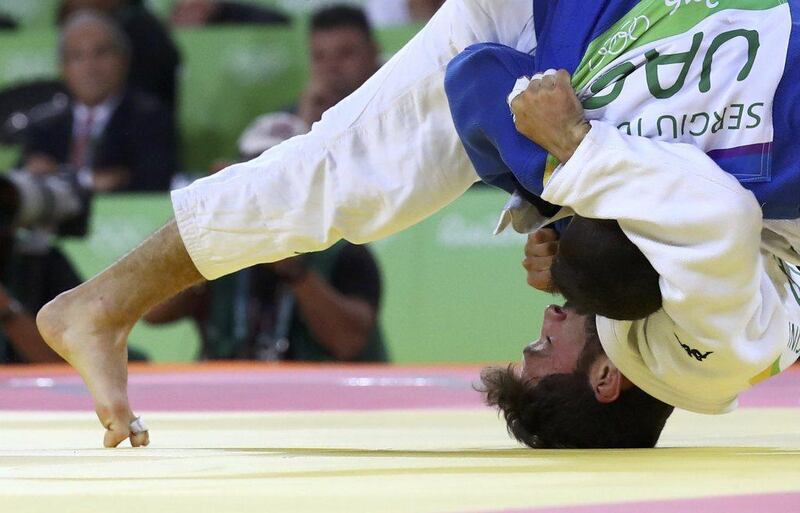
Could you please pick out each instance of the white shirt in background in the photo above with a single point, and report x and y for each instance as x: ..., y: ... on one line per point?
x: 100, y: 116
x: 388, y: 13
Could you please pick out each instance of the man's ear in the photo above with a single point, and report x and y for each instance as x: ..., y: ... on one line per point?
x: 607, y: 381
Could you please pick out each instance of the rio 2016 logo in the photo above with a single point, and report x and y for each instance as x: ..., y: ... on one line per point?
x: 620, y: 40
x: 676, y: 4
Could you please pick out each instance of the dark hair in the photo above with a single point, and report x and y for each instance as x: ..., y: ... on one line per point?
x: 341, y: 16
x: 561, y: 411
x: 600, y: 271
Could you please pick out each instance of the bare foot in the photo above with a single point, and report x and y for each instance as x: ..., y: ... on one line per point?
x: 77, y: 326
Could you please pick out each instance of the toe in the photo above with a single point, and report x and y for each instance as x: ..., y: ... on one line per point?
x: 140, y: 439
x: 116, y: 419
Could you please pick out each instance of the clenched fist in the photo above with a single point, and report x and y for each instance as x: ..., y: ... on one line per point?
x: 540, y: 250
x: 548, y: 113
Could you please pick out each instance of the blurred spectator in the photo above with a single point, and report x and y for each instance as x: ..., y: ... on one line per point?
x: 29, y: 278
x: 317, y: 307
x: 154, y: 58
x: 32, y: 270
x: 118, y: 138
x: 344, y: 53
x: 196, y: 13
x: 387, y: 13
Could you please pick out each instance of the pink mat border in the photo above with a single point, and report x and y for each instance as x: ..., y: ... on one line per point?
x: 247, y: 386
x: 752, y: 503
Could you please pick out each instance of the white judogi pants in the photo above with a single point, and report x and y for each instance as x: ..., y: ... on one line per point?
x: 382, y: 160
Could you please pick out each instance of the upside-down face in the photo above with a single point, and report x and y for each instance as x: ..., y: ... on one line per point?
x: 560, y: 344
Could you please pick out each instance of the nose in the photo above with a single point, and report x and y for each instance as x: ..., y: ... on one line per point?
x: 555, y: 313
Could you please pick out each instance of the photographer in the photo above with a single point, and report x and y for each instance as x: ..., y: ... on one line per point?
x: 33, y: 271
x: 29, y: 278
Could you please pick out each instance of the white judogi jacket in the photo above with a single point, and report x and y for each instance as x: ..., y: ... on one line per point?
x: 730, y: 315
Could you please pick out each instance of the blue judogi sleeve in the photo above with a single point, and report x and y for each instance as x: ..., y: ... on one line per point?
x: 479, y: 79
x: 475, y: 84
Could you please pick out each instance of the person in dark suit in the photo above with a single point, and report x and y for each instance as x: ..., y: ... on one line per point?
x: 154, y: 56
x: 118, y: 138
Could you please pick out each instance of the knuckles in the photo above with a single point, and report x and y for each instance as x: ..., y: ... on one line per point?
x: 540, y: 281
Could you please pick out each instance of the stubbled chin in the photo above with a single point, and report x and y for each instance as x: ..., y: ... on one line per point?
x: 519, y: 368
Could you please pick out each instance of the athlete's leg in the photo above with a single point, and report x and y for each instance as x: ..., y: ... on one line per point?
x: 383, y: 159
x: 89, y: 325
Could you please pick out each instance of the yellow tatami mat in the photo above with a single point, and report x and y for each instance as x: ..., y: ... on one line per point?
x: 394, y: 460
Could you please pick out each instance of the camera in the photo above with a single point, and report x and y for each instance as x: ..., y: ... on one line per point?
x: 54, y: 202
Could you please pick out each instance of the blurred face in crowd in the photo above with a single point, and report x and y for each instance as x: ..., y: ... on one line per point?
x: 343, y: 58
x: 93, y: 65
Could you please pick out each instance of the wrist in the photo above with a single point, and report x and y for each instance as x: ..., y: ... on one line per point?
x: 574, y: 139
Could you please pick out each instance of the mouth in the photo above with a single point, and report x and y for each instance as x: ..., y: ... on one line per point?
x: 538, y: 346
